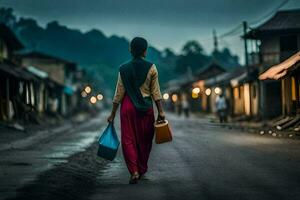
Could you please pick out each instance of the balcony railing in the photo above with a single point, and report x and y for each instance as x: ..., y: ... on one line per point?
x: 269, y: 58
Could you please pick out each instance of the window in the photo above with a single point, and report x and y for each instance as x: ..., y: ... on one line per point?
x: 236, y: 92
x: 254, y: 91
x: 293, y: 88
x: 288, y: 46
x: 240, y: 92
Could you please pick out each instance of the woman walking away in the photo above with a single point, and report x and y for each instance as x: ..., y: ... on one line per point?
x: 137, y: 86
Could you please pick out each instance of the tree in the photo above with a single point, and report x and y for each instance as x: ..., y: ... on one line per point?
x: 192, y: 47
x: 225, y: 58
x: 192, y: 56
x: 7, y: 17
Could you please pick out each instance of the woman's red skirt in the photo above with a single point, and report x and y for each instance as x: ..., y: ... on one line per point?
x: 137, y: 131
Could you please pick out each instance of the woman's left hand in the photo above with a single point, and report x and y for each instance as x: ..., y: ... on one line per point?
x: 111, y: 118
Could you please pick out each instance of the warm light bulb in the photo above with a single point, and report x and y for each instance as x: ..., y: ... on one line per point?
x: 99, y: 97
x: 166, y: 96
x: 83, y: 94
x: 195, y: 95
x: 174, y: 97
x: 218, y: 90
x: 208, y: 91
x: 196, y: 90
x: 88, y: 89
x: 93, y: 100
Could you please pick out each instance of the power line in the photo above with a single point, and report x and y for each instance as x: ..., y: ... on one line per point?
x: 232, y: 31
x: 253, y: 23
x: 237, y: 29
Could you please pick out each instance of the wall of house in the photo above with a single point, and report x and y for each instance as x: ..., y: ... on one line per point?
x: 230, y: 99
x: 270, y: 48
x: 291, y: 93
x: 254, y: 98
x: 4, y: 54
x: 212, y: 101
x: 238, y: 103
x: 55, y: 70
x: 204, y: 102
x: 270, y: 99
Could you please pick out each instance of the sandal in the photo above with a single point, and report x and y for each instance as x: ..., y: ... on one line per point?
x: 134, y: 178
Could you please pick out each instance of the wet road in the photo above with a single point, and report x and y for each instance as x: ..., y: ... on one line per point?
x: 21, y: 166
x: 207, y: 161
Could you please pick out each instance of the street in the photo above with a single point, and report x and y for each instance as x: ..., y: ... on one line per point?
x: 205, y: 161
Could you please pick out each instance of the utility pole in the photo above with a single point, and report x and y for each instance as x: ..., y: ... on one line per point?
x: 245, y: 25
x: 215, y: 40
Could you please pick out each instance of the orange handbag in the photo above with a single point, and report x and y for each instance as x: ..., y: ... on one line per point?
x: 163, y: 132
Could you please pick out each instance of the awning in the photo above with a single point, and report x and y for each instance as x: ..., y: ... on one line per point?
x: 224, y: 79
x: 39, y: 73
x: 17, y: 72
x: 235, y: 81
x: 244, y: 78
x: 278, y: 71
x: 9, y: 70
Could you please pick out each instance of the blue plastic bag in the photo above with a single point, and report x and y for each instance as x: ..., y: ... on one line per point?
x: 108, y: 143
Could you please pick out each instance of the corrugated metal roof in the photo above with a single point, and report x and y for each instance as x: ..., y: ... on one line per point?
x: 16, y: 71
x: 287, y: 21
x: 282, y: 20
x: 224, y: 79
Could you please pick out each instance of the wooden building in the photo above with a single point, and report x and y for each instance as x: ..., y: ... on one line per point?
x: 269, y: 44
x: 222, y: 83
x: 288, y: 72
x: 60, y: 71
x: 245, y: 93
x: 203, y: 100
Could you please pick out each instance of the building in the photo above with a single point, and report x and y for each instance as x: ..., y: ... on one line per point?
x: 269, y: 44
x: 221, y: 83
x: 10, y: 77
x: 202, y: 99
x: 288, y: 73
x: 183, y: 87
x: 60, y: 71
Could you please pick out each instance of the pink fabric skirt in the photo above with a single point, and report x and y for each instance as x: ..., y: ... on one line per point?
x: 137, y: 131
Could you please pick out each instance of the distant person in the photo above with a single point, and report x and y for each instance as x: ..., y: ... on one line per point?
x: 137, y: 86
x: 178, y: 107
x: 221, y: 106
x: 185, y: 105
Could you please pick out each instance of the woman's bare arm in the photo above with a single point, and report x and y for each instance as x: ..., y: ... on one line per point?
x: 113, y: 112
x: 161, y: 114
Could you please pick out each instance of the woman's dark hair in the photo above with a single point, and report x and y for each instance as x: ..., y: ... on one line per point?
x: 138, y: 46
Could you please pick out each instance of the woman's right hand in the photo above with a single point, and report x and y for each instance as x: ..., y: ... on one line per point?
x: 160, y: 117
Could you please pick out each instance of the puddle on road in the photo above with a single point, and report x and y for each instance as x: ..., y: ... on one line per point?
x: 61, y: 152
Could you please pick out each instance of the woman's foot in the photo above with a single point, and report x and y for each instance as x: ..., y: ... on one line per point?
x: 134, y: 178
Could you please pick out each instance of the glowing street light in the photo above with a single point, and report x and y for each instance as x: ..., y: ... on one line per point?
x: 166, y: 96
x: 83, y: 94
x: 218, y: 90
x: 174, y: 97
x: 99, y: 97
x: 88, y: 89
x: 93, y: 100
x: 195, y: 95
x: 208, y: 91
x: 196, y: 90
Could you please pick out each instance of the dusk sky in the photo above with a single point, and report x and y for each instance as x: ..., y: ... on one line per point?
x: 165, y: 23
